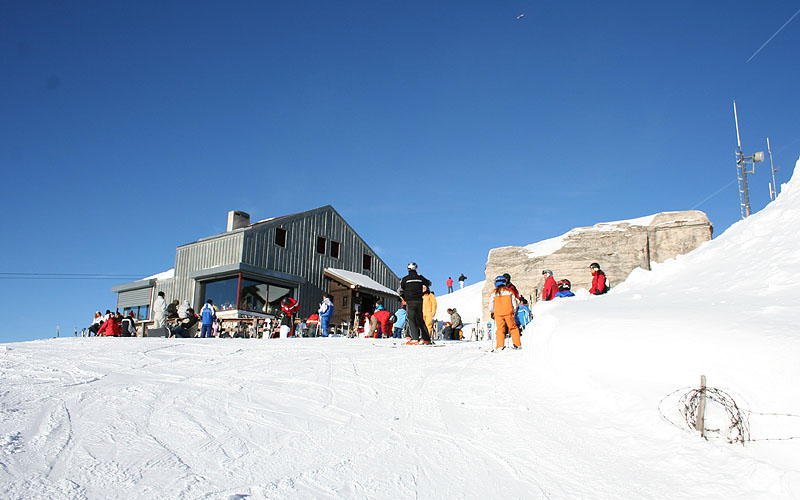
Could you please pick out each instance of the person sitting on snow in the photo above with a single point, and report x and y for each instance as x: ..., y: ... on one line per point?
x: 599, y: 281
x: 550, y: 288
x: 564, y: 289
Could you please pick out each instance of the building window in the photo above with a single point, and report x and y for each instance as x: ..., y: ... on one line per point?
x: 280, y: 237
x: 367, y: 262
x: 344, y: 301
x: 222, y: 292
x: 321, y: 245
x: 265, y: 298
x: 140, y: 312
x: 256, y: 296
x: 335, y: 249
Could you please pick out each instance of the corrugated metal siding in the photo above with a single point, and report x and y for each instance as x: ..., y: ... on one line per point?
x: 221, y: 251
x: 139, y: 297
x: 300, y: 257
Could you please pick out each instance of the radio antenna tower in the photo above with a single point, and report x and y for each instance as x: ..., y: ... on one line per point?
x: 742, y: 162
x: 773, y: 188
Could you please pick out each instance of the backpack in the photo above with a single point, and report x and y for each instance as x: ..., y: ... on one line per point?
x: 608, y: 284
x: 392, y: 319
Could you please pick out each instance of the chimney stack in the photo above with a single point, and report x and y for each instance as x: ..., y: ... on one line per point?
x: 237, y: 220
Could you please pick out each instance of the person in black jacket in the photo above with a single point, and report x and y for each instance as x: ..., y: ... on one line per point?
x: 411, y: 288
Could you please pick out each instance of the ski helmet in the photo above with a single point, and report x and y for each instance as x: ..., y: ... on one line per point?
x: 547, y: 272
x: 564, y: 285
x: 500, y: 281
x: 412, y: 266
x: 594, y: 265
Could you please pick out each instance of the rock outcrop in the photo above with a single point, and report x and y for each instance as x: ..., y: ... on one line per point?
x: 619, y: 247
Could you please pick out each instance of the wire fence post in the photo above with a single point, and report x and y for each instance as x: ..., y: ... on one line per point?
x: 700, y: 425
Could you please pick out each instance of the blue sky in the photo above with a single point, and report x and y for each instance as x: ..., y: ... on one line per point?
x: 439, y: 130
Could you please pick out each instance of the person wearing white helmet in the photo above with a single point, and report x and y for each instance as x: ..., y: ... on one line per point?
x: 411, y: 289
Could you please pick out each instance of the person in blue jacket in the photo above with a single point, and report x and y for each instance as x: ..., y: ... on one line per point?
x: 325, y: 313
x: 564, y: 289
x: 400, y: 314
x: 523, y: 316
x: 207, y: 317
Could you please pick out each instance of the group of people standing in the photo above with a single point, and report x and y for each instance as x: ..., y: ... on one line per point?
x: 449, y: 282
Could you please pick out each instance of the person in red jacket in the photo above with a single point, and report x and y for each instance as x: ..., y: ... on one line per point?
x: 383, y: 328
x: 599, y: 281
x: 550, y: 287
x: 110, y: 328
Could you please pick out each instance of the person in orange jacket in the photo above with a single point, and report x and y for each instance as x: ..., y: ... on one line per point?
x: 428, y: 308
x: 502, y: 307
x: 550, y: 286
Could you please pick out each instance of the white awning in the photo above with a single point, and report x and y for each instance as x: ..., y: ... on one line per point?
x: 356, y: 280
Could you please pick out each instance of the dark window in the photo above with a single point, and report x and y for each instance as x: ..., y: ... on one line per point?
x: 344, y: 301
x: 280, y: 237
x: 335, y: 249
x: 321, y: 245
x: 367, y: 262
x: 262, y: 297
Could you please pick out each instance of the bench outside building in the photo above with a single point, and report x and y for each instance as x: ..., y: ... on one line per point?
x: 250, y: 268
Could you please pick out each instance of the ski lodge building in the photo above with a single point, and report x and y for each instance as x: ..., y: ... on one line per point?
x: 250, y: 268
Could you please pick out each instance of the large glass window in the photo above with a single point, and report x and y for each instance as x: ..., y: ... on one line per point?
x: 262, y: 297
x: 223, y: 293
x: 255, y: 296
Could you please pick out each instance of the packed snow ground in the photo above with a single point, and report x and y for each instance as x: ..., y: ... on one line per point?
x: 577, y: 414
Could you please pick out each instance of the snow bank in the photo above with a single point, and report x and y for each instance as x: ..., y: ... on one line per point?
x: 727, y: 310
x: 467, y: 302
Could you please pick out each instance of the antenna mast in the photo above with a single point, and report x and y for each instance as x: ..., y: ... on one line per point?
x: 773, y: 188
x: 744, y: 199
x: 741, y: 168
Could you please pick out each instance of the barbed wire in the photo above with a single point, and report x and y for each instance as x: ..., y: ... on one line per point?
x: 738, y: 429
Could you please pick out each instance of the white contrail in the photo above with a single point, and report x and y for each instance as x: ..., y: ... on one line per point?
x: 773, y: 36
x: 723, y: 188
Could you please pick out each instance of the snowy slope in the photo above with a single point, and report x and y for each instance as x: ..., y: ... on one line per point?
x: 467, y: 302
x: 575, y: 415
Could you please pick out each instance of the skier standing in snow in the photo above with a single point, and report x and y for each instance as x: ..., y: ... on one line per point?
x: 449, y: 284
x: 411, y: 287
x: 523, y: 316
x: 400, y: 322
x: 502, y: 307
x: 461, y: 280
x: 289, y: 307
x: 159, y: 310
x: 550, y: 288
x: 599, y: 282
x: 325, y: 313
x: 429, y: 306
x: 207, y: 317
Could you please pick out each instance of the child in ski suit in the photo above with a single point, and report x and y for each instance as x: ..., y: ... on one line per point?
x: 502, y: 307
